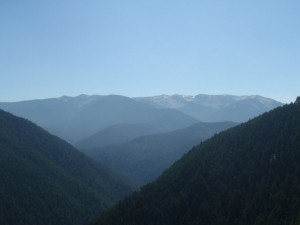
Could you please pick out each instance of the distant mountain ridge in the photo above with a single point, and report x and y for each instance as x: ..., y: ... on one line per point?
x: 81, y: 118
x: 214, y: 108
x: 76, y: 118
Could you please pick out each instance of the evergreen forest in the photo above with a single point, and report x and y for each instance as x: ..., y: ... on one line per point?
x: 247, y: 175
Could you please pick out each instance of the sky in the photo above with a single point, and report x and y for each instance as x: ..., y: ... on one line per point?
x: 136, y: 48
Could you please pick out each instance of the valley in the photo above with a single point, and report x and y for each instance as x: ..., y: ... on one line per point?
x: 156, y: 154
x: 149, y: 112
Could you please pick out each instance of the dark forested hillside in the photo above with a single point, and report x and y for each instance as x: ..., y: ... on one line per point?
x: 248, y: 175
x: 145, y: 158
x: 45, y: 181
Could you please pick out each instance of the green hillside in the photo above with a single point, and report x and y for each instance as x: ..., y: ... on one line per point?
x: 248, y: 175
x: 45, y: 181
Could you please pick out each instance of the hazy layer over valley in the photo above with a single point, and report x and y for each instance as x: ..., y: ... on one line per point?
x: 145, y: 158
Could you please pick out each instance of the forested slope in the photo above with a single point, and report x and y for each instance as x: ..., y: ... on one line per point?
x: 45, y: 181
x: 248, y: 175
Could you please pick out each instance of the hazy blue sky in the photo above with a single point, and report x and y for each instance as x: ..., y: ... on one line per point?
x: 51, y: 48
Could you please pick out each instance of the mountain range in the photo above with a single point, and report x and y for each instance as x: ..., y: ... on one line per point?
x: 84, y: 119
x: 46, y: 181
x: 77, y: 118
x: 214, y: 108
x: 247, y: 175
